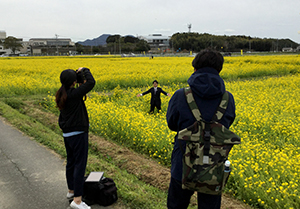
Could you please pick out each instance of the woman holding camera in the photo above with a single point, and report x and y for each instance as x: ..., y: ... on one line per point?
x: 74, y: 122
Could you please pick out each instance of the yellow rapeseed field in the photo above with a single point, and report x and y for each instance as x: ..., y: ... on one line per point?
x: 266, y: 165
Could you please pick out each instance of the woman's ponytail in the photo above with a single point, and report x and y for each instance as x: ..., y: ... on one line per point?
x: 61, y: 97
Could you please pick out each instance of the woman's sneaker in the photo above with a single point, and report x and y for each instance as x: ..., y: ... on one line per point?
x: 82, y: 205
x: 70, y: 195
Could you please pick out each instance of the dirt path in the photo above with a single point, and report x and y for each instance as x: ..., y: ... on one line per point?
x: 148, y: 170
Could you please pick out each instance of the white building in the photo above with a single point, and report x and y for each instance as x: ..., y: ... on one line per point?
x: 2, y: 35
x: 51, y: 42
x: 38, y: 46
x: 157, y: 42
x: 287, y: 49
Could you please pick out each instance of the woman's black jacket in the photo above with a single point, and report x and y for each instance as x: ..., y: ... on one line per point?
x: 74, y: 117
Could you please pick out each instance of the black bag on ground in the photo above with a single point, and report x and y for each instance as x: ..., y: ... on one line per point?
x: 103, y: 192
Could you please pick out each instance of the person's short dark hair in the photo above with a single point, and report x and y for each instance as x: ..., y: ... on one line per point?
x: 155, y: 81
x: 67, y: 77
x: 208, y: 58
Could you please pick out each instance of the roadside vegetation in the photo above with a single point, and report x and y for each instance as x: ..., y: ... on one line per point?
x: 125, y: 144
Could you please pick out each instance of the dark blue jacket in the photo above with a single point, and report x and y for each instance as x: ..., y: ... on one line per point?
x: 207, y: 87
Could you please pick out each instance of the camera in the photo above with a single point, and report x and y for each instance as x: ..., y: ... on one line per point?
x: 80, y: 76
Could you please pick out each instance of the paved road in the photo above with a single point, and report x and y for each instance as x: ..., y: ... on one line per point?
x: 31, y: 176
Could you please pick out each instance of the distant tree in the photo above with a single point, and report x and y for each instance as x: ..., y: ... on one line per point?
x: 286, y: 43
x: 141, y: 46
x: 131, y: 39
x: 79, y: 48
x: 95, y: 50
x: 12, y: 43
x: 113, y: 39
x: 116, y: 44
x: 197, y: 42
x: 261, y: 45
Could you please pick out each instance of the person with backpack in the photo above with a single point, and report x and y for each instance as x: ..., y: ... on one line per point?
x: 155, y: 96
x: 74, y: 122
x: 207, y: 88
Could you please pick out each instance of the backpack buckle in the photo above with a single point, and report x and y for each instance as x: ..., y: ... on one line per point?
x: 207, y: 135
x: 206, y: 143
x: 205, y: 159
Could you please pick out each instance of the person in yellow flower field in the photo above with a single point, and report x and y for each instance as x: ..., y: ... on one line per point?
x: 155, y: 96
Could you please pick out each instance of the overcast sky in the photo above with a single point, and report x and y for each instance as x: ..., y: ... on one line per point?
x: 88, y: 19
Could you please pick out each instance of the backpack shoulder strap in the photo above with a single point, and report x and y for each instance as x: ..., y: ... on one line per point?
x: 222, y: 107
x: 196, y: 112
x: 192, y: 104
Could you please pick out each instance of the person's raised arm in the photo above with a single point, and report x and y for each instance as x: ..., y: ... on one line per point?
x: 88, y: 82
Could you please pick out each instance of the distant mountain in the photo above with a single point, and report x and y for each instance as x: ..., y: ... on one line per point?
x: 101, y: 40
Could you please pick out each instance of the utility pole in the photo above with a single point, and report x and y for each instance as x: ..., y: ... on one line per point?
x: 115, y: 47
x: 120, y: 44
x: 56, y: 43
x: 249, y: 45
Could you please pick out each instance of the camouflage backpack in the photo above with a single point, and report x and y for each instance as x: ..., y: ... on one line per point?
x: 207, y: 147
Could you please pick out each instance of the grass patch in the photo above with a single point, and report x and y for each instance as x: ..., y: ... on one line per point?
x: 132, y: 192
x: 140, y: 185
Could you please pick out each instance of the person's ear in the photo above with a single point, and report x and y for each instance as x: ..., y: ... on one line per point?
x: 73, y: 84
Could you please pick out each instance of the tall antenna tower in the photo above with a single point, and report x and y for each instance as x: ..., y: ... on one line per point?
x: 189, y: 27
